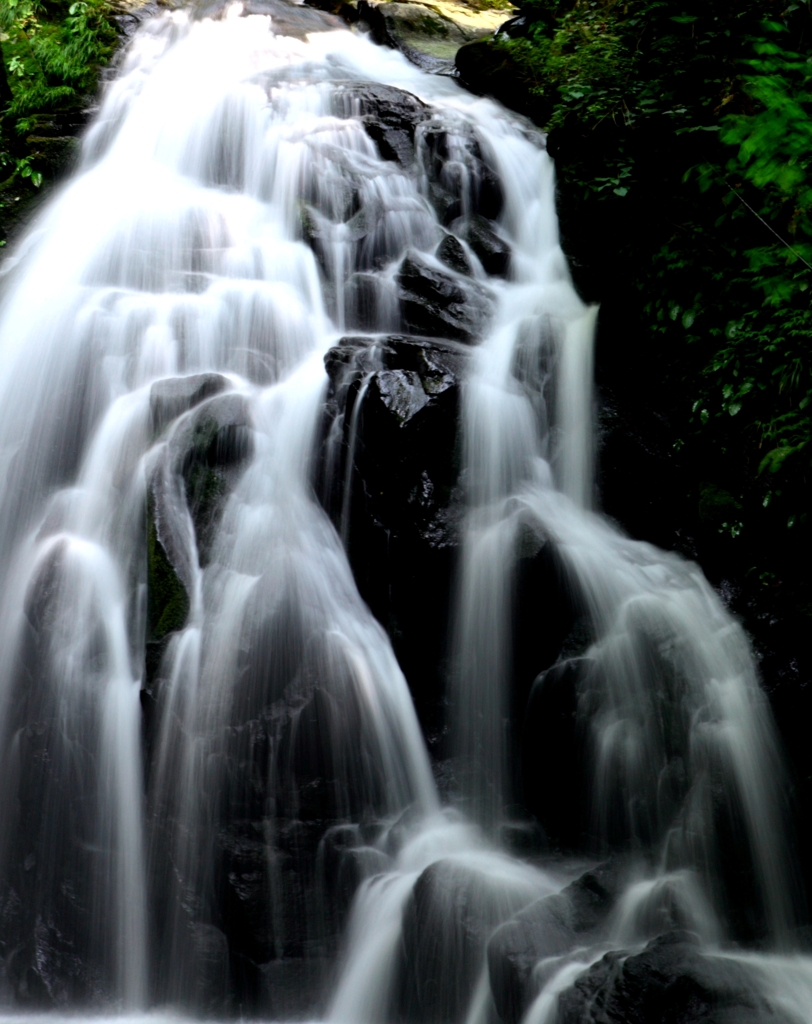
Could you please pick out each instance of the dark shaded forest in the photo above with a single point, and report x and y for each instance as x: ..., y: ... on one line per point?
x: 682, y: 137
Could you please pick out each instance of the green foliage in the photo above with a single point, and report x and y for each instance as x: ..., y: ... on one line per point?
x: 52, y: 52
x: 167, y: 600
x: 682, y: 132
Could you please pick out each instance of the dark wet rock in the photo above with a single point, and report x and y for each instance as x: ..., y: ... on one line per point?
x: 211, y: 957
x: 549, y: 623
x: 290, y: 987
x: 345, y: 862
x: 447, y: 920
x: 217, y: 446
x: 434, y: 303
x: 460, y: 179
x: 167, y: 593
x: 202, y: 462
x: 204, y: 458
x: 49, y: 970
x: 523, y: 838
x: 399, y: 391
x: 130, y: 20
x: 493, y: 251
x: 347, y: 361
x: 361, y: 302
x: 395, y: 494
x: 672, y: 982
x: 514, y: 28
x: 641, y: 483
x: 447, y: 205
x: 549, y: 928
x: 356, y: 866
x: 491, y: 71
x: 554, y: 746
x: 394, y: 142
x: 289, y: 19
x: 451, y: 252
x: 298, y: 743
x: 390, y: 117
x: 266, y: 913
x: 247, y: 906
x: 172, y: 396
x: 54, y: 952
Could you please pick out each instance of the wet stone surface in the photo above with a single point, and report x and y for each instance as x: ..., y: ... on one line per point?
x: 547, y: 930
x: 672, y: 982
x: 437, y: 304
x: 390, y: 480
x: 390, y: 117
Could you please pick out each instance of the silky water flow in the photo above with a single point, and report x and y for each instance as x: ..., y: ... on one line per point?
x: 190, y: 681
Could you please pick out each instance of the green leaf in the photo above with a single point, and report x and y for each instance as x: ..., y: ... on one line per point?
x: 774, y: 459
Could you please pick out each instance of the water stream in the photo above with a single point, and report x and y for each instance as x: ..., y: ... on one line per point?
x: 214, y: 788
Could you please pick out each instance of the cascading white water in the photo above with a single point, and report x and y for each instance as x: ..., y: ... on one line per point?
x: 162, y: 336
x: 177, y: 249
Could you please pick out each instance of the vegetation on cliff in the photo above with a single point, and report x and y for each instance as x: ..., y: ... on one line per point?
x: 51, y: 54
x: 682, y: 132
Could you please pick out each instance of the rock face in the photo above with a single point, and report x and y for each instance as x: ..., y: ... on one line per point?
x: 548, y: 929
x: 451, y: 252
x: 553, y: 747
x: 50, y: 957
x: 446, y: 923
x: 429, y: 34
x: 671, y: 982
x: 345, y: 859
x: 390, y: 117
x: 390, y: 471
x: 203, y: 458
x: 493, y: 252
x: 172, y: 396
x: 487, y: 71
x: 438, y: 304
x: 289, y: 19
x: 461, y: 181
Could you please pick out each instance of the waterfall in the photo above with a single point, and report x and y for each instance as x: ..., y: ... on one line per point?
x: 214, y: 792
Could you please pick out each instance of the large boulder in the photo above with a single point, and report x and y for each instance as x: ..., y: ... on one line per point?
x: 54, y: 952
x: 490, y: 70
x: 549, y: 928
x: 451, y: 252
x: 288, y: 19
x: 172, y: 396
x: 429, y: 34
x: 390, y: 116
x: 434, y: 303
x: 453, y: 909
x: 460, y: 178
x: 390, y: 480
x: 344, y: 861
x: 491, y: 249
x: 203, y: 457
x: 671, y: 982
x: 555, y: 765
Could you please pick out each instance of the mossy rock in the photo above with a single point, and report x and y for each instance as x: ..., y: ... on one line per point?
x: 167, y: 600
x: 716, y: 504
